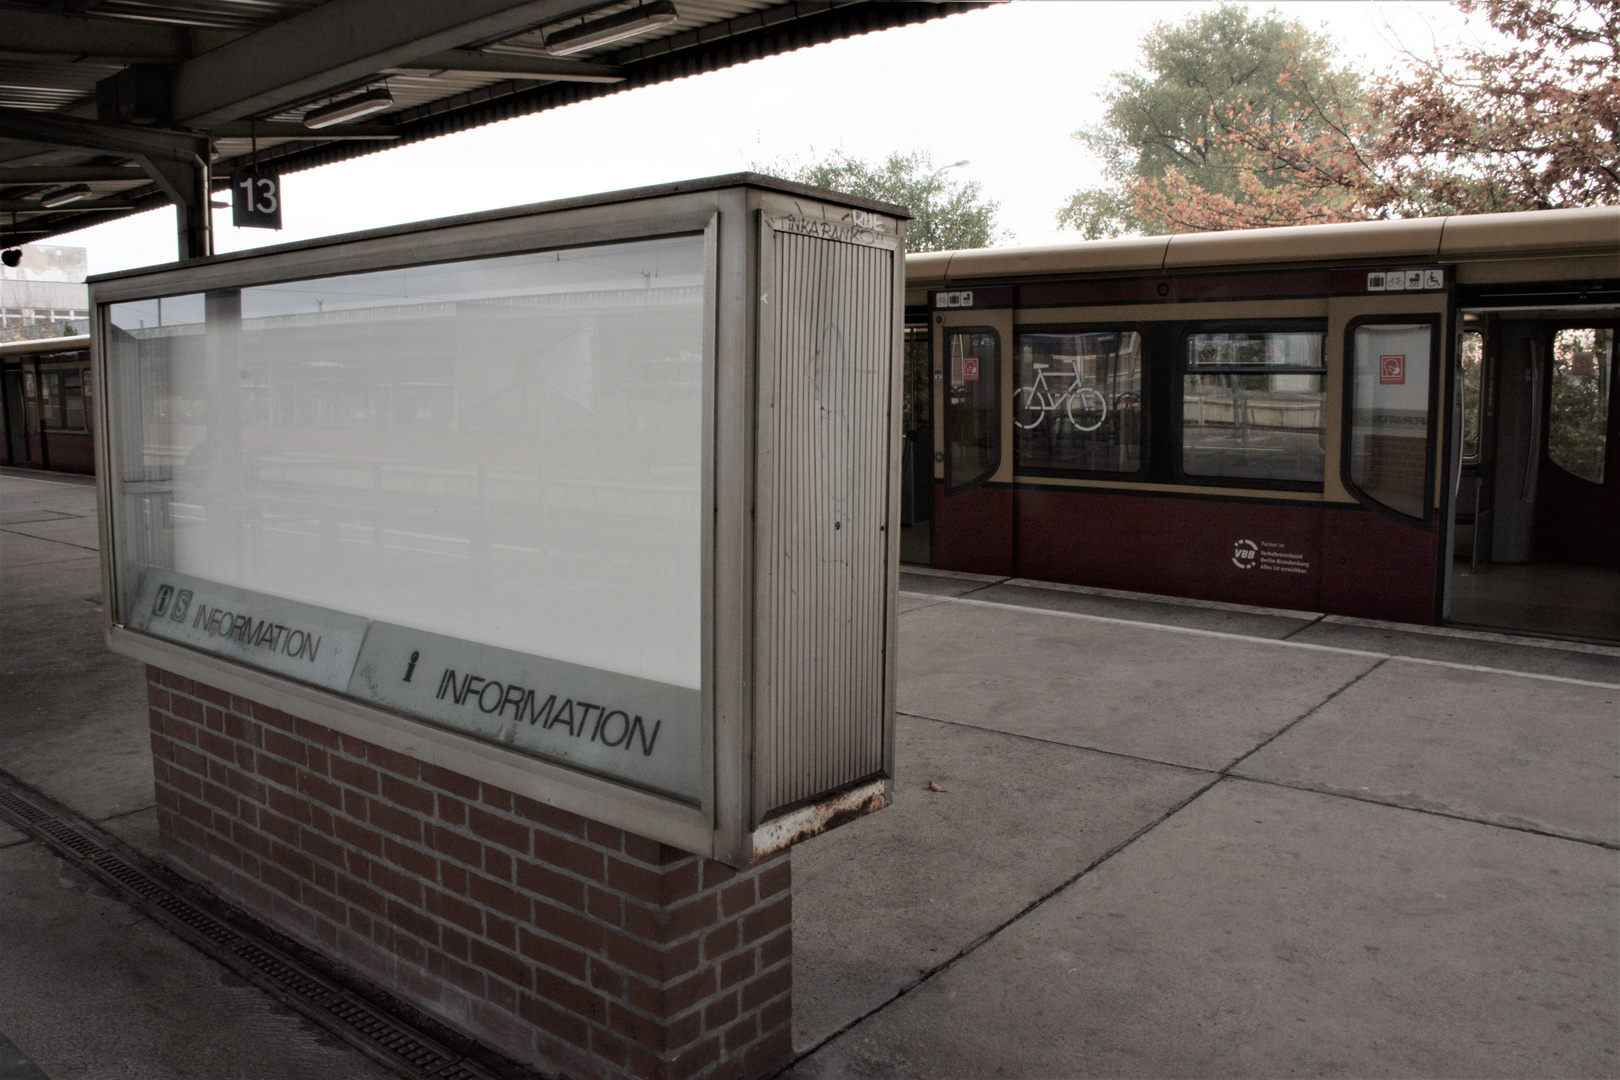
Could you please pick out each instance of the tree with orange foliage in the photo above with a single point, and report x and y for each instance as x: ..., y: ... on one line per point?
x: 1530, y: 124
x: 1192, y: 119
x: 1529, y: 121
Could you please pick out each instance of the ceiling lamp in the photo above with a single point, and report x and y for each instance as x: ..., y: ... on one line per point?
x: 349, y: 109
x: 63, y: 196
x: 611, y: 28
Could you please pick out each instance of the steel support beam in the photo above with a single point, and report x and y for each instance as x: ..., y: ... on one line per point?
x: 550, y: 69
x: 66, y: 174
x: 337, y: 43
x: 175, y: 161
x: 242, y: 129
x: 25, y: 206
x: 56, y: 34
x: 129, y: 139
x: 186, y: 185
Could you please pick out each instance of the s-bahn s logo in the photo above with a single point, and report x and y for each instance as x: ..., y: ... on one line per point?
x: 1392, y: 369
x: 1245, y: 554
x: 181, y: 603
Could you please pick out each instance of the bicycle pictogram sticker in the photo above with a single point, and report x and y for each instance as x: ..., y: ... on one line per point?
x: 1084, y: 405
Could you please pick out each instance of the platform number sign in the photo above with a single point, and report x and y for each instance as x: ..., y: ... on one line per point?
x: 256, y: 200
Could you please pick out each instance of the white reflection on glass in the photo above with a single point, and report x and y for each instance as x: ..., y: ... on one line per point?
x: 505, y: 450
x: 1389, y: 417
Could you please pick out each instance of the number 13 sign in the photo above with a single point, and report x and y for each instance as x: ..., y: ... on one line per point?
x: 255, y: 201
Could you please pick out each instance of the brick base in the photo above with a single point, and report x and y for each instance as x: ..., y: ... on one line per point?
x: 565, y: 942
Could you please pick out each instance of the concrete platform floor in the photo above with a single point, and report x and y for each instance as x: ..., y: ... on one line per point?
x: 1185, y: 841
x: 1169, y: 840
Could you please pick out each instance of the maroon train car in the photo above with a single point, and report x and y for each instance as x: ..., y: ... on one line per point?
x: 46, y: 404
x: 1408, y: 421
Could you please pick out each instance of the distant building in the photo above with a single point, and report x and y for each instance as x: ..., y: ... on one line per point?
x: 45, y: 295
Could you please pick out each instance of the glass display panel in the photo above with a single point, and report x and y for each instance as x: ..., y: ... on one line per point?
x: 1389, y: 415
x: 1252, y: 406
x: 469, y: 491
x: 1079, y: 401
x: 972, y: 408
x: 1578, y: 416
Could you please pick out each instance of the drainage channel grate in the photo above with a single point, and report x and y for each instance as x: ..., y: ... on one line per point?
x: 390, y: 1041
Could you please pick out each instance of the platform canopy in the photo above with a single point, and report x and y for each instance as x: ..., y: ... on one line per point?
x: 112, y: 107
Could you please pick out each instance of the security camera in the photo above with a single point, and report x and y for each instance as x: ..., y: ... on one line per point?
x: 11, y: 256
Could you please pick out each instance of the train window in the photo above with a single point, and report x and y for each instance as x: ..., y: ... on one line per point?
x: 1388, y: 454
x: 73, y: 400
x: 1252, y: 406
x: 1079, y: 401
x: 1578, y: 414
x: 1470, y: 359
x: 972, y: 408
x: 62, y: 399
x: 50, y: 400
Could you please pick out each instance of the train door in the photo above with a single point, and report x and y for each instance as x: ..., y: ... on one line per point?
x: 1538, y: 509
x: 917, y: 446
x: 11, y: 394
x: 974, y: 509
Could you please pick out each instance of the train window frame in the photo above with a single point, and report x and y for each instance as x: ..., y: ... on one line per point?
x: 1179, y: 367
x: 1144, y: 446
x: 943, y: 414
x: 1432, y: 436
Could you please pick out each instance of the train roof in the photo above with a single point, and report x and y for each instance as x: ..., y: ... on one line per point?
x: 35, y: 346
x: 1584, y: 231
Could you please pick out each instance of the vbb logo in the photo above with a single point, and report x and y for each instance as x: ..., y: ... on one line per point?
x: 1245, y: 554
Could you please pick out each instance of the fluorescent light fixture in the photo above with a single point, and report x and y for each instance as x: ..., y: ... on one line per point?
x: 63, y: 196
x: 349, y: 109
x: 624, y: 24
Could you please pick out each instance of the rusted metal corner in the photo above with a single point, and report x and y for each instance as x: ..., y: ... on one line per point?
x: 805, y: 822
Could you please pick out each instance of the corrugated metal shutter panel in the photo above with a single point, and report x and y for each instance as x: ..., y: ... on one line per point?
x: 825, y: 415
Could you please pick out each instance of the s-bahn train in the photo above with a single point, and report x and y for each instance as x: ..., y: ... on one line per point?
x: 1409, y: 420
x: 46, y: 404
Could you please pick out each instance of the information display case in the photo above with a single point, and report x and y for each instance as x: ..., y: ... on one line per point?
x: 595, y: 500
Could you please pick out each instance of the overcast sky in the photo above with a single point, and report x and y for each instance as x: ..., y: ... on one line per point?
x: 1002, y: 88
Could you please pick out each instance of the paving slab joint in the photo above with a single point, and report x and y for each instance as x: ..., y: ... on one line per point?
x: 1301, y: 718
x: 990, y: 935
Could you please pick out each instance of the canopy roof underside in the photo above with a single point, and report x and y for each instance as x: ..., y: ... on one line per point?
x: 233, y: 80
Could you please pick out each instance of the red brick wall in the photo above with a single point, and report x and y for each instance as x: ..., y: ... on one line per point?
x: 565, y: 942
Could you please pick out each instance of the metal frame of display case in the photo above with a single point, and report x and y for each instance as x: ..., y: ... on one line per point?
x: 735, y: 215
